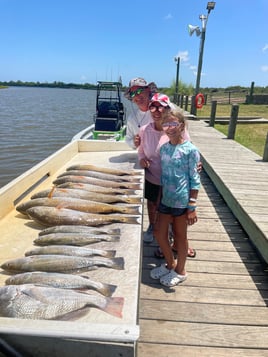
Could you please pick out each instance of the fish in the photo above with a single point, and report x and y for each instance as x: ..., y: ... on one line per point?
x: 29, y: 301
x: 60, y: 264
x: 52, y: 216
x: 100, y: 175
x: 86, y: 195
x: 79, y: 229
x: 70, y: 183
x: 75, y: 239
x: 70, y: 250
x: 106, y: 170
x: 63, y: 281
x: 77, y: 204
x: 99, y: 182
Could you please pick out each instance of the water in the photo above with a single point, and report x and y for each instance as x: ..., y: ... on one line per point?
x: 35, y: 122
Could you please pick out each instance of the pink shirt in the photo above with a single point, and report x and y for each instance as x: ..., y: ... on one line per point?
x: 151, y: 141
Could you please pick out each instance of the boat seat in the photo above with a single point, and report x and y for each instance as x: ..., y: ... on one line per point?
x: 108, y: 124
x: 107, y: 109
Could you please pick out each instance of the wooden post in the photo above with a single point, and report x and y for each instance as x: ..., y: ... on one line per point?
x: 265, y: 152
x: 186, y: 102
x: 233, y: 121
x: 213, y: 113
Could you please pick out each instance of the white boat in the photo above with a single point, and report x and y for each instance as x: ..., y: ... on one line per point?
x: 96, y: 333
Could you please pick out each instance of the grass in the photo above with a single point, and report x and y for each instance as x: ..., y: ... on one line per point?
x: 244, y: 110
x: 252, y: 136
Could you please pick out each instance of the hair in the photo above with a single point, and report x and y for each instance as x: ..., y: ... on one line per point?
x: 175, y: 113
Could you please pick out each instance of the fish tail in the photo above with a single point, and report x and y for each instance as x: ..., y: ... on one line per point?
x: 131, y: 220
x: 113, y: 238
x: 107, y: 289
x: 134, y: 199
x: 109, y: 253
x: 114, y: 306
x: 115, y: 231
x: 133, y: 210
x: 118, y: 263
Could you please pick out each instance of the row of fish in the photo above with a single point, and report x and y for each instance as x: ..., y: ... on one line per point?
x: 80, y: 199
x: 46, y: 284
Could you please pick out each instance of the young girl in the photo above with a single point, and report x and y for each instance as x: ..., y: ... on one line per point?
x: 180, y: 183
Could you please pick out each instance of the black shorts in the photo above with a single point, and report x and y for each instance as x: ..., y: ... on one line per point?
x: 151, y: 191
x: 175, y: 212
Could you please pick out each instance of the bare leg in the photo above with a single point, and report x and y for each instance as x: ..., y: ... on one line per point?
x: 181, y: 242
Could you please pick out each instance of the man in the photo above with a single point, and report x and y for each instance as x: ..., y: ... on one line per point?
x: 139, y: 92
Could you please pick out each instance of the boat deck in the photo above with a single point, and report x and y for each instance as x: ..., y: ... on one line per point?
x: 221, y: 309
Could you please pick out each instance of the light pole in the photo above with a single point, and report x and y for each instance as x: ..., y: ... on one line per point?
x: 192, y: 29
x: 177, y: 60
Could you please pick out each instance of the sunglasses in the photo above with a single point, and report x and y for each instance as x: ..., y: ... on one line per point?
x: 171, y: 124
x: 154, y: 108
x: 136, y: 92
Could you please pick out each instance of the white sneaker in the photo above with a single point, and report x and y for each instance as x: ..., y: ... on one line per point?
x: 172, y: 279
x: 148, y: 235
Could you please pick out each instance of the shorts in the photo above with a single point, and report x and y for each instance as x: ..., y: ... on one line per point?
x: 173, y: 211
x: 151, y: 191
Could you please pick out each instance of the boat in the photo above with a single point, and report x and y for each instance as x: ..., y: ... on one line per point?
x: 96, y: 333
x: 110, y: 116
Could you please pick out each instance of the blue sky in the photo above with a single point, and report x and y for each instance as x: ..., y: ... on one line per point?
x: 83, y: 41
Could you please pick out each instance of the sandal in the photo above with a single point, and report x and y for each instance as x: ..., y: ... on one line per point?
x: 158, y: 272
x: 159, y: 255
x: 172, y: 279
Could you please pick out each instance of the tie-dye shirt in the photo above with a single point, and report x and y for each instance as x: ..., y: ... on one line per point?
x: 179, y: 173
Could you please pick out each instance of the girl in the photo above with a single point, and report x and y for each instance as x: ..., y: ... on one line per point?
x: 180, y: 183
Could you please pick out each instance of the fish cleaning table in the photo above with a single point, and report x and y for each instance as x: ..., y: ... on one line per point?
x: 97, y: 333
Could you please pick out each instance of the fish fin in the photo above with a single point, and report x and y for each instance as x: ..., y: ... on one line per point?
x: 73, y: 315
x: 133, y: 210
x: 51, y: 192
x: 114, y: 306
x: 107, y: 289
x: 115, y: 231
x: 118, y: 263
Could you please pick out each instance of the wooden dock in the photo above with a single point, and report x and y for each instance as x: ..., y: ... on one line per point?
x: 221, y: 309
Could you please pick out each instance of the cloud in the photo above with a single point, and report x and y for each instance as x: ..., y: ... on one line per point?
x: 168, y: 17
x: 264, y: 68
x: 265, y: 47
x: 184, y: 56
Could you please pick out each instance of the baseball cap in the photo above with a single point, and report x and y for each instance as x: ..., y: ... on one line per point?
x: 140, y: 82
x: 161, y: 98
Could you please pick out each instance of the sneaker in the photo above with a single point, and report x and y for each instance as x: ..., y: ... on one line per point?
x: 172, y: 278
x: 160, y: 271
x: 148, y: 235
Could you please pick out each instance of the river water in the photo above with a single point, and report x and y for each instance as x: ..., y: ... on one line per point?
x: 35, y: 122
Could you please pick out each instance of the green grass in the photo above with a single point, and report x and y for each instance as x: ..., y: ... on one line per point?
x: 252, y: 136
x: 244, y: 110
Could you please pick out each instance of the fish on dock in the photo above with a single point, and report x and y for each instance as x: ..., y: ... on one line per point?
x: 70, y: 250
x: 86, y: 195
x: 63, y: 281
x: 70, y: 182
x: 74, y: 238
x: 100, y: 175
x: 99, y: 182
x: 52, y: 216
x: 78, y: 204
x: 106, y: 170
x: 60, y: 264
x: 79, y: 229
x: 29, y: 301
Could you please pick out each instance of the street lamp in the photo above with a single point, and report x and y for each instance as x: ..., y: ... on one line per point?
x: 202, y: 32
x: 177, y: 60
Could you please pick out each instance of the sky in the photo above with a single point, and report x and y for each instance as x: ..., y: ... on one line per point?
x: 83, y: 41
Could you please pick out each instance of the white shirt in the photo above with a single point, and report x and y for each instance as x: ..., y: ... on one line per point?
x: 135, y: 120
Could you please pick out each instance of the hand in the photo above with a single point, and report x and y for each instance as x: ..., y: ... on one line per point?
x: 144, y: 163
x: 191, y: 217
x: 137, y: 140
